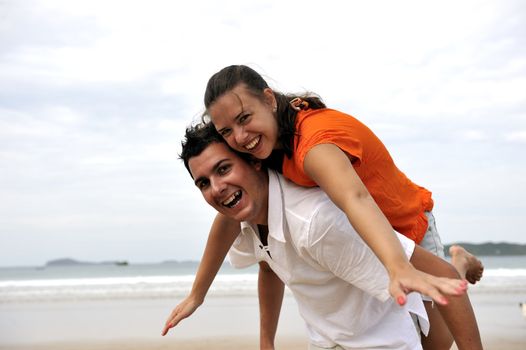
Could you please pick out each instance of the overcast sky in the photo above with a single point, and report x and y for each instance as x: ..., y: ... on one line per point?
x: 95, y: 96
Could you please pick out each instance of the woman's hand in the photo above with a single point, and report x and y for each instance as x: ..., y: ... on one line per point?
x: 181, y: 311
x: 407, y: 279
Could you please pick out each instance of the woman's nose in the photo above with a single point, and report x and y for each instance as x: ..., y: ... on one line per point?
x: 240, y: 135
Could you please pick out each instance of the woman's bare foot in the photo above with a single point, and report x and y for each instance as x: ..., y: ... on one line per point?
x: 467, y: 265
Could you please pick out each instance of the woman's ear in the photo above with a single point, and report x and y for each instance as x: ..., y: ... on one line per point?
x: 270, y: 98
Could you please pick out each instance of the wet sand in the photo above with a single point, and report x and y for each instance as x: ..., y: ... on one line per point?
x: 221, y: 323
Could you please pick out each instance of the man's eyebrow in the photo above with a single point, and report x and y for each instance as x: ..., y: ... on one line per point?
x: 214, y: 168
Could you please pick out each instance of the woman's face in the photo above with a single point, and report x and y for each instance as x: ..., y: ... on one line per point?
x: 246, y: 122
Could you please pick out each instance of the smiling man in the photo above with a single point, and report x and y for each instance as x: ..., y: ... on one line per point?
x: 301, y: 239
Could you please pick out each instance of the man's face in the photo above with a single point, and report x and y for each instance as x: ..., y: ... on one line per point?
x: 231, y: 185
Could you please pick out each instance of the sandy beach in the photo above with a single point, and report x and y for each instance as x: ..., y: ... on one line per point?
x: 214, y: 343
x: 221, y: 323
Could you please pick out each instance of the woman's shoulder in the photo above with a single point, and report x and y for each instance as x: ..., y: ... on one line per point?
x: 324, y: 119
x: 310, y: 113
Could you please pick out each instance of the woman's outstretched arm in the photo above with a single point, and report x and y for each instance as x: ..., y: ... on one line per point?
x: 332, y: 170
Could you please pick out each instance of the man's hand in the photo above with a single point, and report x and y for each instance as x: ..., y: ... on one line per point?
x: 181, y: 311
x: 408, y: 279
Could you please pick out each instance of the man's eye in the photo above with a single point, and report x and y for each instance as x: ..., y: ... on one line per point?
x: 202, y: 184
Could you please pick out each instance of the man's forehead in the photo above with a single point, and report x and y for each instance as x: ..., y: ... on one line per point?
x: 209, y: 158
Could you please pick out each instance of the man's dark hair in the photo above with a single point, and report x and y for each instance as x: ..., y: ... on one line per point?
x: 197, y: 138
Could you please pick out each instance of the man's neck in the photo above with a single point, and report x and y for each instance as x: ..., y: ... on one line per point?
x: 262, y: 217
x: 263, y: 234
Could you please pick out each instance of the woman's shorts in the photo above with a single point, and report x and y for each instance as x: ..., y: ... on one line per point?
x: 431, y: 241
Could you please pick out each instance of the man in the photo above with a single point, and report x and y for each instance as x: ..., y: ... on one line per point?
x: 300, y: 236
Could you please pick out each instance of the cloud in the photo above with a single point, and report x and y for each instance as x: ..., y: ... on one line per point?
x: 95, y: 97
x: 475, y: 135
x: 517, y: 136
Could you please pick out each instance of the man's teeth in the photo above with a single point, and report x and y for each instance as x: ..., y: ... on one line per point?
x: 232, y: 200
x: 253, y: 143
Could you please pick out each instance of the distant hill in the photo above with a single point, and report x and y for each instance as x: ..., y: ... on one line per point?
x: 180, y: 263
x: 490, y: 248
x: 73, y: 262
x: 65, y: 262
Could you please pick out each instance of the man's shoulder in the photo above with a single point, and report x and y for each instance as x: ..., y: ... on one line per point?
x: 296, y: 196
x: 305, y: 205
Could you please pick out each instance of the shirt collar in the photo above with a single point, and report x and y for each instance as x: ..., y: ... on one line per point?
x: 275, y: 207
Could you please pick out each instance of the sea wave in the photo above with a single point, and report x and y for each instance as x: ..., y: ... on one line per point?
x: 120, y: 287
x: 155, y: 287
x: 501, y: 280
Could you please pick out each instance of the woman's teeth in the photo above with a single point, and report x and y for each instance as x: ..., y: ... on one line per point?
x: 249, y: 146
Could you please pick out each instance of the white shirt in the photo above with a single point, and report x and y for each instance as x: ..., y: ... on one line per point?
x: 339, y: 284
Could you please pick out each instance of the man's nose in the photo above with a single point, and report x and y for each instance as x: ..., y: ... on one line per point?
x: 218, y: 186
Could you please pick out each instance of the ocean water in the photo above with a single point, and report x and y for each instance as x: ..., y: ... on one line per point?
x: 504, y: 274
x: 106, y: 282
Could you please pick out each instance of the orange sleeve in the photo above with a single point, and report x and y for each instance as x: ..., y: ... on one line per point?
x: 322, y: 126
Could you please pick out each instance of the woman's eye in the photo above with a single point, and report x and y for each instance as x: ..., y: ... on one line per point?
x: 243, y: 118
x: 225, y: 132
x: 223, y: 169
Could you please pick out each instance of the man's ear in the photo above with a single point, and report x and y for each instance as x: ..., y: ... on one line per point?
x: 256, y: 163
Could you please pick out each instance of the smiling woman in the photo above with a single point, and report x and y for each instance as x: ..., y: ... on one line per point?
x: 239, y: 113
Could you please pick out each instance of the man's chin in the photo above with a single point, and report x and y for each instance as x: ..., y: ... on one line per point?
x: 238, y: 216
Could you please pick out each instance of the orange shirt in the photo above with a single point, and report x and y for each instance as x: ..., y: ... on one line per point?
x: 401, y: 201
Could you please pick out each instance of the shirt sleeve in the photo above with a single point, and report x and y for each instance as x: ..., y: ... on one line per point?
x: 330, y: 127
x: 336, y: 246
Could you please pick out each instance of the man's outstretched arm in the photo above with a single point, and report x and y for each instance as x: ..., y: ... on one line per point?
x: 270, y: 291
x: 222, y: 234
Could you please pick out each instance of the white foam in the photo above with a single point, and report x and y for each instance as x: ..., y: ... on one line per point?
x: 120, y: 287
x: 175, y: 286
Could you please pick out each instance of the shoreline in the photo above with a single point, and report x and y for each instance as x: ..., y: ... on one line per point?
x: 216, y: 343
x: 205, y: 343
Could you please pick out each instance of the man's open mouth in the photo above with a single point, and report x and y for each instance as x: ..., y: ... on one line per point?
x: 231, y: 201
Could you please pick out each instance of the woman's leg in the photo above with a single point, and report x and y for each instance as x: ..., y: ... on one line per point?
x: 440, y: 334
